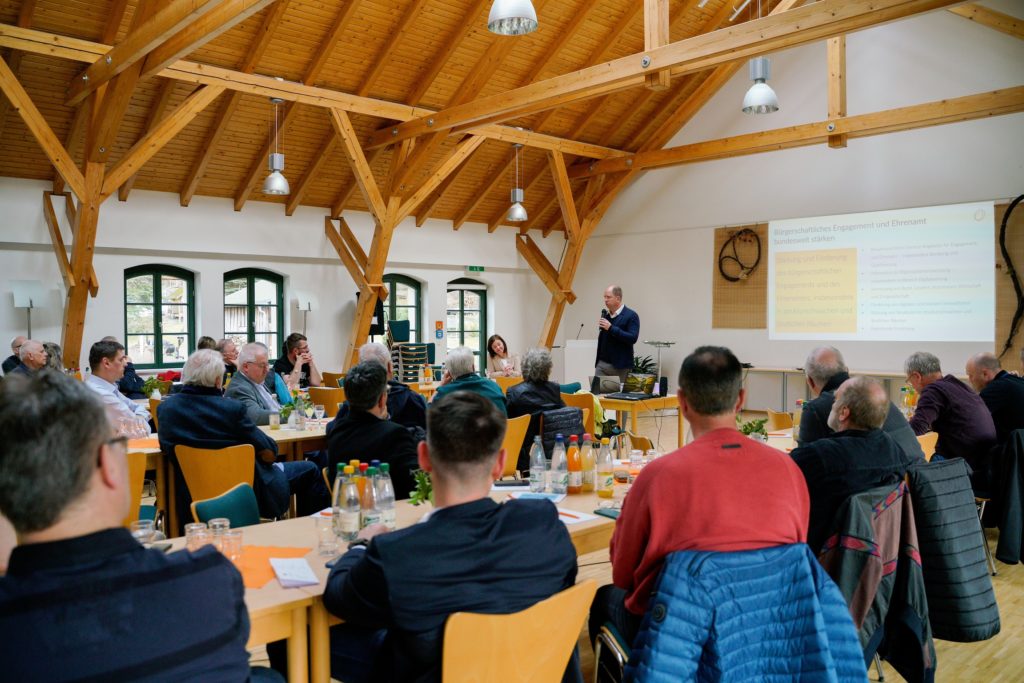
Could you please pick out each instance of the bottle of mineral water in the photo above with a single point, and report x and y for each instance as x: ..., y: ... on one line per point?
x: 346, y: 518
x: 559, y: 473
x: 370, y: 510
x: 605, y: 470
x: 588, y: 460
x: 538, y: 466
x: 386, y: 496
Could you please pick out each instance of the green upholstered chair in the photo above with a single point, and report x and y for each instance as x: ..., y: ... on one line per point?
x: 237, y: 504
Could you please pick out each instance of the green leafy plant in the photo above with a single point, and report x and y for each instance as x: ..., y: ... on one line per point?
x: 424, y: 491
x: 644, y: 365
x: 752, y: 426
x: 154, y: 383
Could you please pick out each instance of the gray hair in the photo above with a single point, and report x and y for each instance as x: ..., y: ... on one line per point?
x: 922, y: 362
x: 866, y: 400
x: 986, y: 361
x: 14, y: 342
x: 460, y: 361
x: 204, y: 368
x: 375, y: 352
x: 249, y: 352
x: 223, y: 344
x: 29, y: 346
x: 824, y: 363
x: 54, y: 356
x: 536, y: 366
x: 617, y: 291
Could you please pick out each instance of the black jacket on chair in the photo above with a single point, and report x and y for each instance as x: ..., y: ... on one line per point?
x: 363, y: 436
x: 531, y: 398
x: 1004, y: 398
x: 1009, y: 498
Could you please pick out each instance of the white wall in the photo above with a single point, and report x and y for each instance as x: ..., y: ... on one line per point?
x: 209, y: 238
x: 657, y: 239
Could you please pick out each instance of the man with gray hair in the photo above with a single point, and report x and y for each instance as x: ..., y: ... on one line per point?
x: 825, y: 371
x: 1002, y: 393
x: 405, y: 406
x: 200, y: 417
x: 247, y: 383
x: 535, y: 394
x: 856, y: 457
x: 32, y: 358
x: 460, y: 375
x: 13, y: 361
x: 949, y: 407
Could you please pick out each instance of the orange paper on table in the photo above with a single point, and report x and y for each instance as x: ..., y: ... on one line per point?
x: 255, y: 562
x: 151, y: 442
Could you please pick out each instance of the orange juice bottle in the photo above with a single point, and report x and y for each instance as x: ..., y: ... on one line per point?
x: 361, y: 478
x: 575, y: 466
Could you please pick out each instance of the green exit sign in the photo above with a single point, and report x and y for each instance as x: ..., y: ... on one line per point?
x: 474, y: 269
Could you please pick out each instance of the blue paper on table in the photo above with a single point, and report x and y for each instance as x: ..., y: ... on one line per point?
x: 530, y: 495
x: 608, y: 512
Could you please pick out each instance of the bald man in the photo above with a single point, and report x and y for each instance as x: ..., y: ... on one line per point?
x: 1002, y: 393
x: 618, y: 330
x: 33, y: 358
x: 13, y: 361
x: 857, y: 456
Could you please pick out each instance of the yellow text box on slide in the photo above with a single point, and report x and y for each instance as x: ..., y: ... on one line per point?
x: 816, y: 291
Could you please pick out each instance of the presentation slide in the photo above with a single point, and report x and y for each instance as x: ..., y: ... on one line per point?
x: 923, y: 274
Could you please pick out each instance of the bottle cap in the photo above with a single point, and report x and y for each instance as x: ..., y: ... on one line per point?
x: 587, y: 437
x: 559, y: 437
x: 341, y: 467
x: 371, y: 471
x: 385, y: 468
x: 375, y: 463
x: 354, y: 462
x: 363, y: 467
x: 574, y: 439
x: 605, y: 440
x: 349, y: 469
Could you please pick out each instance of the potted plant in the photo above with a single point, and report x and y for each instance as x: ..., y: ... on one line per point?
x: 755, y: 429
x: 643, y: 376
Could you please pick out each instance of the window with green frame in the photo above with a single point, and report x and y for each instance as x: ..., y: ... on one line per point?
x: 467, y: 316
x: 159, y: 315
x: 403, y: 303
x: 254, y: 308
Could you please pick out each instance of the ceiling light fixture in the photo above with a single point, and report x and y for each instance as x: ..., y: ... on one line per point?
x: 276, y: 183
x: 760, y: 99
x: 517, y: 212
x: 512, y: 18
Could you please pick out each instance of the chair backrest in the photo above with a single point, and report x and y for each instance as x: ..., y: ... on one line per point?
x: 583, y: 402
x: 506, y: 382
x: 565, y: 421
x: 778, y: 421
x: 399, y: 331
x: 515, y: 433
x: 641, y: 442
x: 136, y: 476
x: 328, y: 397
x: 928, y: 441
x: 332, y: 380
x: 327, y: 479
x: 477, y: 646
x: 237, y: 504
x: 154, y: 403
x: 210, y: 472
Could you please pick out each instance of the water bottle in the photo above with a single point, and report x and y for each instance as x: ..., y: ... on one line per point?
x: 370, y: 511
x: 339, y: 480
x: 386, y: 496
x: 605, y: 470
x: 346, y: 518
x: 538, y: 466
x: 559, y: 473
x: 589, y: 462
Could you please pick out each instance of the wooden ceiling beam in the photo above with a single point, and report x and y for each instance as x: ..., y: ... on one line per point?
x: 227, y: 108
x: 451, y: 44
x: 428, y: 206
x: 357, y: 162
x: 1004, y: 23
x: 655, y: 36
x: 817, y: 21
x: 348, y: 190
x: 72, y: 215
x: 145, y: 37
x: 13, y: 58
x: 461, y: 152
x: 538, y: 215
x: 836, y: 56
x: 156, y: 114
x: 478, y: 197
x: 563, y: 190
x: 57, y: 240
x: 312, y: 173
x: 547, y: 273
x: 355, y: 270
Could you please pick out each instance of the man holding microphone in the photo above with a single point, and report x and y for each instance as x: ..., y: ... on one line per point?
x: 619, y: 330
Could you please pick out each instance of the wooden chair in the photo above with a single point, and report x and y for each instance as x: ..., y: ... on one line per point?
x: 327, y: 480
x: 777, y: 421
x: 154, y: 403
x: 928, y: 441
x: 515, y: 432
x: 506, y: 382
x: 136, y: 477
x: 584, y: 402
x: 210, y: 472
x: 641, y: 442
x: 328, y: 397
x: 238, y: 504
x: 332, y: 380
x: 477, y: 646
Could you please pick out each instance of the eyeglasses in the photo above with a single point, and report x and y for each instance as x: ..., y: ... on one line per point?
x: 123, y: 440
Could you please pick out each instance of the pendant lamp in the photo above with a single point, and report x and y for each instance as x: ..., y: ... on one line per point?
x: 517, y: 212
x: 276, y: 183
x: 760, y: 99
x: 512, y: 18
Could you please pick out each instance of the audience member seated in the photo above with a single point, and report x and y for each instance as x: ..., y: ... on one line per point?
x: 54, y: 356
x: 825, y: 370
x: 855, y: 457
x: 1002, y: 393
x: 32, y: 358
x: 12, y: 361
x: 532, y: 396
x: 206, y: 343
x: 405, y: 406
x: 949, y: 407
x: 107, y: 362
x: 365, y: 433
x: 247, y: 386
x: 467, y: 556
x: 82, y: 599
x: 200, y: 417
x: 229, y: 352
x: 723, y: 492
x: 501, y: 363
x: 460, y: 375
x: 296, y: 363
x: 130, y: 383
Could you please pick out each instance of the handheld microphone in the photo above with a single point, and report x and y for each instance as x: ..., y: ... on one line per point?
x: 579, y: 330
x: 604, y: 314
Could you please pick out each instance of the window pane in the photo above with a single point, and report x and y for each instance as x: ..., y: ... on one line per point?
x: 266, y: 292
x: 140, y: 349
x: 175, y: 348
x: 272, y: 344
x: 139, y: 318
x: 235, y: 320
x: 236, y: 292
x: 403, y: 314
x: 266, y: 318
x: 173, y: 290
x: 239, y: 339
x: 404, y: 295
x: 174, y: 319
x: 453, y: 321
x: 472, y: 320
x: 139, y: 290
x: 453, y: 298
x: 471, y: 339
x: 472, y: 300
x: 476, y: 362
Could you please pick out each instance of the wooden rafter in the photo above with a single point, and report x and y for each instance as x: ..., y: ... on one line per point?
x: 82, y: 247
x: 453, y: 161
x: 836, y: 85
x: 655, y: 36
x: 299, y: 191
x: 357, y: 161
x: 478, y: 197
x: 57, y: 240
x: 156, y: 114
x: 13, y: 59
x: 563, y: 190
x: 352, y: 265
x: 348, y: 190
x: 1011, y: 26
x: 427, y: 207
x: 72, y: 215
x: 547, y: 273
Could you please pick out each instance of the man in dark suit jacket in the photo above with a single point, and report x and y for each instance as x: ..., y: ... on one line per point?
x: 1002, y: 393
x: 826, y: 371
x: 471, y: 555
x: 200, y: 417
x: 366, y: 434
x: 247, y: 384
x: 405, y: 406
x: 858, y: 455
x: 13, y: 361
x: 620, y: 328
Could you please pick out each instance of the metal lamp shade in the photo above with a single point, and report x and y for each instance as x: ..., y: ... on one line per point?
x: 517, y: 213
x: 760, y: 99
x: 275, y: 182
x: 512, y: 17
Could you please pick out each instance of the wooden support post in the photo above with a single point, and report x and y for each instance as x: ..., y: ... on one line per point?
x: 837, y: 86
x: 655, y: 36
x: 86, y: 220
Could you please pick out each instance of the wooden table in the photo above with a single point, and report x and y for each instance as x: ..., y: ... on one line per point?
x: 646, y: 405
x: 293, y: 444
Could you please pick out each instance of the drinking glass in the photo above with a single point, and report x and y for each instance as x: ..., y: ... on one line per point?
x: 143, y: 531
x: 327, y: 540
x: 275, y: 420
x: 318, y: 410
x: 231, y: 544
x: 197, y: 535
x: 218, y: 526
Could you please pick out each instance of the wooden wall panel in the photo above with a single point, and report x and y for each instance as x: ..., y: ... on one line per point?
x: 743, y: 304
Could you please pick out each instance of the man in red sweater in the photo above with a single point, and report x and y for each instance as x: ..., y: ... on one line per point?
x: 724, y: 492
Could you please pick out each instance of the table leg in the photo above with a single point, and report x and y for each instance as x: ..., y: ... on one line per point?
x: 633, y: 419
x: 298, y: 669
x: 172, y: 507
x: 681, y: 426
x: 161, y: 490
x: 319, y: 643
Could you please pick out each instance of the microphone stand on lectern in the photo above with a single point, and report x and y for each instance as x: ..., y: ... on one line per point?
x: 659, y: 345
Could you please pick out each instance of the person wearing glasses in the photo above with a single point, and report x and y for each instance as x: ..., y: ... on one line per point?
x: 296, y: 363
x: 13, y: 361
x: 247, y: 384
